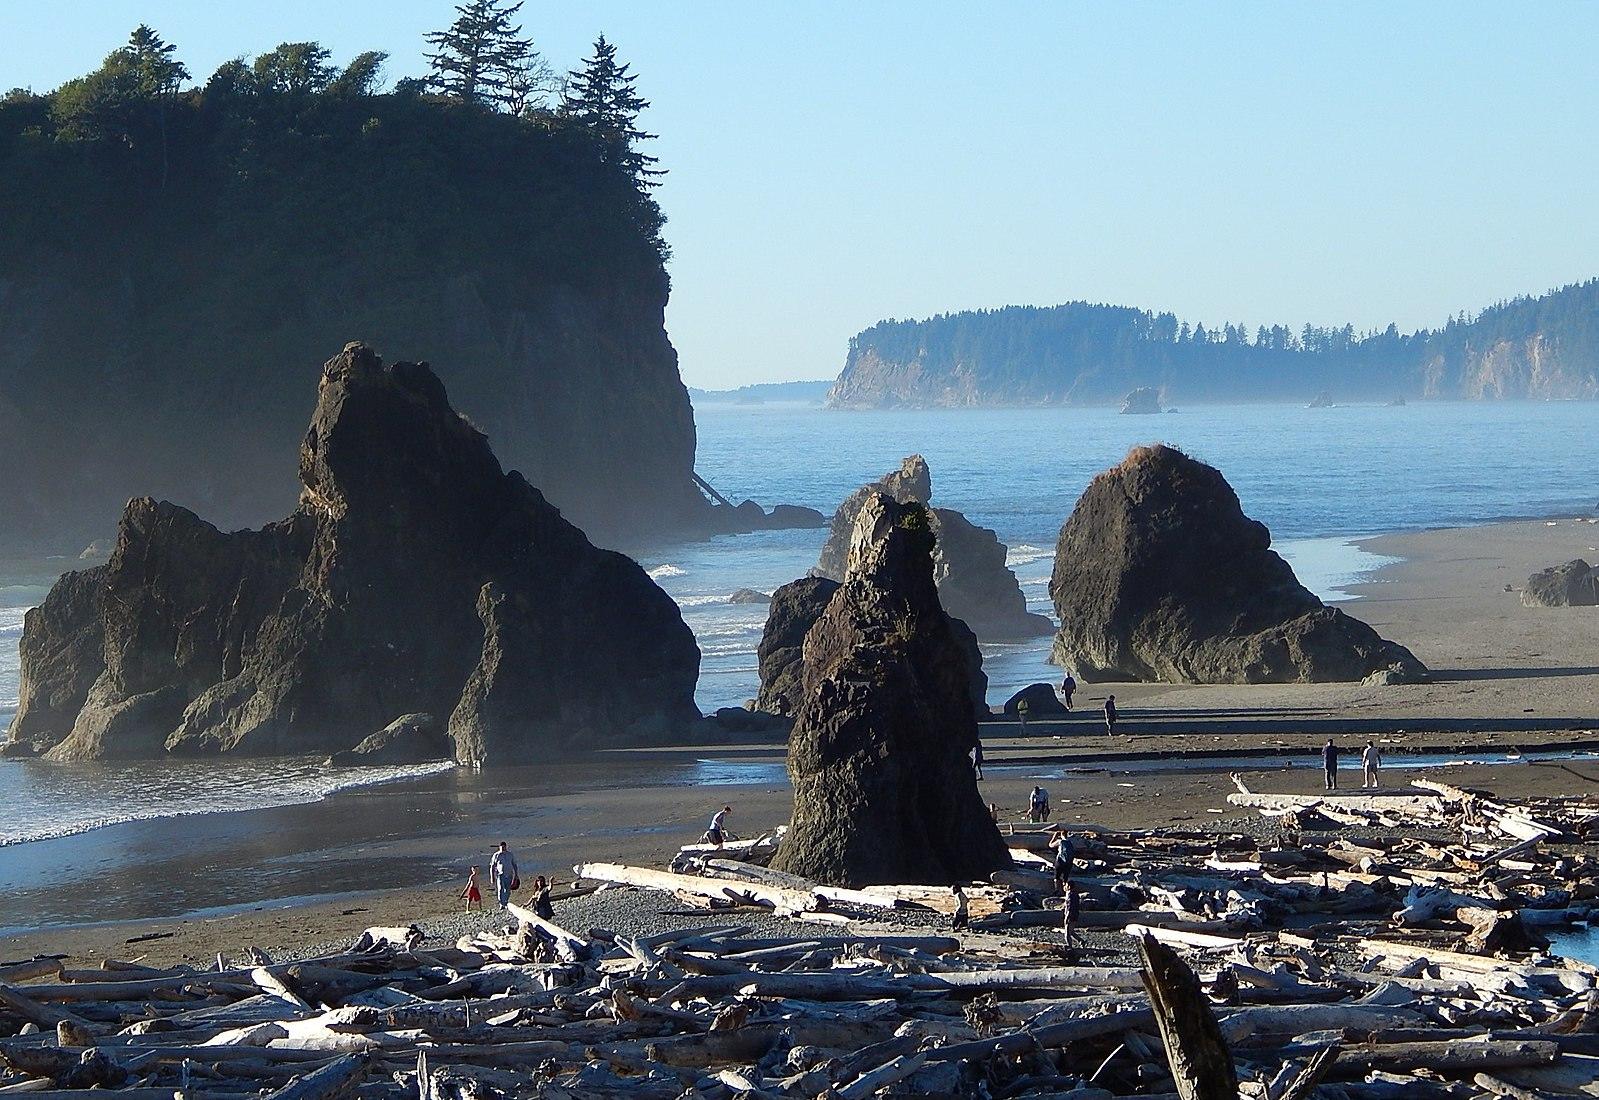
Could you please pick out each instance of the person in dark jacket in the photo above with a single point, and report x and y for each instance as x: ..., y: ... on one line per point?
x: 1067, y: 687
x: 1110, y: 715
x: 1329, y: 764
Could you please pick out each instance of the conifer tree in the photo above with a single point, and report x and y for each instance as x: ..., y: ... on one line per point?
x: 482, y: 58
x: 601, y: 95
x: 152, y: 62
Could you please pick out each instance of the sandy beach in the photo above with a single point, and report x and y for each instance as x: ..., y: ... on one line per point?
x: 1509, y: 680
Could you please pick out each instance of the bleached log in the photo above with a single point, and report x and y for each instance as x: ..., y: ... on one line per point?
x: 30, y: 969
x: 1046, y: 1037
x: 888, y: 1073
x: 1451, y: 1057
x: 45, y: 1016
x: 1296, y: 1019
x: 339, y: 1078
x: 1167, y: 934
x: 780, y: 898
x: 573, y: 941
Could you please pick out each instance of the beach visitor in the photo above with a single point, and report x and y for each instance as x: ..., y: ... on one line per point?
x: 541, y: 898
x: 1110, y: 715
x: 977, y: 758
x: 471, y: 894
x: 1038, y: 805
x: 1370, y: 761
x: 502, y: 873
x: 1065, y: 854
x: 958, y: 920
x: 717, y: 833
x: 1329, y: 764
x: 1067, y: 687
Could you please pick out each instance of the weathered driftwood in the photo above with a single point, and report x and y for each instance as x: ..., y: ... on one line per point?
x: 1201, y: 1063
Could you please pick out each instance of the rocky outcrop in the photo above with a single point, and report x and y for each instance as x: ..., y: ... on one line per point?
x: 1575, y: 584
x: 748, y: 595
x: 1142, y: 401
x: 415, y: 576
x: 1041, y: 700
x: 409, y: 739
x: 969, y: 567
x: 1159, y: 575
x: 884, y: 789
x: 795, y: 608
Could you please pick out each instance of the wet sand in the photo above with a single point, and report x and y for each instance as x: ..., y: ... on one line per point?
x: 1506, y: 676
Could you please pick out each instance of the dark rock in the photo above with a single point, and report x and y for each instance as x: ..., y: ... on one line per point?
x: 409, y: 739
x: 913, y: 481
x: 1159, y: 575
x: 977, y: 679
x: 416, y: 576
x: 884, y: 790
x: 62, y: 653
x: 748, y: 595
x: 1575, y: 584
x: 794, y: 517
x: 974, y: 583
x: 18, y: 750
x: 1143, y: 400
x: 1042, y: 702
x: 795, y: 608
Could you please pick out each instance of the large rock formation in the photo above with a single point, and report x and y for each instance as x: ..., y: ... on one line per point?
x: 969, y: 567
x: 1159, y: 575
x: 415, y: 576
x: 795, y: 607
x: 884, y: 789
x: 1575, y: 584
x: 1142, y: 401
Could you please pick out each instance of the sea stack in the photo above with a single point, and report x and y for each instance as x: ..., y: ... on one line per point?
x: 884, y: 790
x: 969, y: 567
x: 416, y: 576
x: 1159, y: 575
x: 1575, y: 584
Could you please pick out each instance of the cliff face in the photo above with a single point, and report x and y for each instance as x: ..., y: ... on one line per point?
x: 415, y: 576
x: 1081, y: 353
x: 169, y: 316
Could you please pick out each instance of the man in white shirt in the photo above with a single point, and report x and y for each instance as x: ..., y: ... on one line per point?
x: 502, y: 872
x: 1370, y: 761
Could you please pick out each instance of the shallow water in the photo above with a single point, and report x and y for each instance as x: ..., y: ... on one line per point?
x: 1319, y: 478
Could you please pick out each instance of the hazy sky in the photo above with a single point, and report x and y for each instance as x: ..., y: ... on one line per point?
x: 836, y: 163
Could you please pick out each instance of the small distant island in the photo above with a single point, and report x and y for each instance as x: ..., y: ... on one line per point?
x: 1544, y: 348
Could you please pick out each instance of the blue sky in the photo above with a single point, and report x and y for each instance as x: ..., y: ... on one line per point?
x: 836, y: 163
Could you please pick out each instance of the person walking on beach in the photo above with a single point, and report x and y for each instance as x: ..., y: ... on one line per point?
x: 471, y: 893
x: 958, y: 920
x: 1038, y: 805
x: 977, y: 758
x: 1110, y: 715
x: 717, y: 833
x: 1065, y: 855
x: 1329, y: 764
x: 1370, y: 761
x: 1067, y: 687
x: 502, y: 873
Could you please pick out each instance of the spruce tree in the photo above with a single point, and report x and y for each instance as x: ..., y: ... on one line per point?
x: 482, y: 58
x: 152, y: 63
x: 601, y: 95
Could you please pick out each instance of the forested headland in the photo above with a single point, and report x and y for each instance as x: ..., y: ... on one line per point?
x: 1545, y: 347
x: 180, y: 252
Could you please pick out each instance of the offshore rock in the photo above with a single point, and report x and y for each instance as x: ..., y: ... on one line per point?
x: 794, y: 610
x: 409, y: 739
x: 416, y: 576
x: 1159, y: 575
x: 1575, y: 584
x: 795, y: 607
x: 974, y: 583
x: 1142, y: 401
x: 1041, y: 700
x: 884, y: 790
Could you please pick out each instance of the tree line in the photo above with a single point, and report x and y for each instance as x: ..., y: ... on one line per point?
x: 483, y: 59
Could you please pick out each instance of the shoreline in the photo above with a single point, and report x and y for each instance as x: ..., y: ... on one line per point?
x: 1507, y: 677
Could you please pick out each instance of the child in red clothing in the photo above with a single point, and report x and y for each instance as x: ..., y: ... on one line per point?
x: 472, y: 895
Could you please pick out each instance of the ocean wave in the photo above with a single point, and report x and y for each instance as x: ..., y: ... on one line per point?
x: 249, y: 790
x: 700, y: 601
x: 1025, y: 554
x: 665, y: 571
x: 736, y: 630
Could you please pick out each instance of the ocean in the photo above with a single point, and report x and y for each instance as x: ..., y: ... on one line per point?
x: 1319, y: 478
